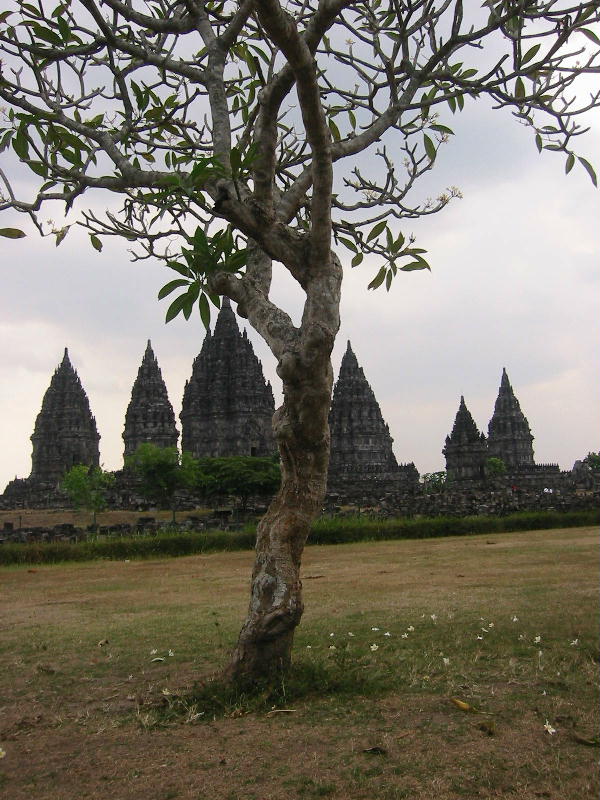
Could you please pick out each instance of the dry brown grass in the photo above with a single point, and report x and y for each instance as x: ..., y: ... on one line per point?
x: 74, y: 720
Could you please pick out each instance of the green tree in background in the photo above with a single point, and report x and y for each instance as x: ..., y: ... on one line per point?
x: 495, y: 467
x: 239, y: 476
x: 162, y: 472
x: 87, y: 488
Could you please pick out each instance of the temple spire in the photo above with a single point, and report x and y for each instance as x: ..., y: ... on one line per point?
x: 359, y: 434
x: 465, y: 449
x: 509, y: 436
x: 227, y: 406
x: 149, y: 416
x: 65, y: 432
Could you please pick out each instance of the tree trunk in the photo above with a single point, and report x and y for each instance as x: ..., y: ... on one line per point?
x: 301, y: 428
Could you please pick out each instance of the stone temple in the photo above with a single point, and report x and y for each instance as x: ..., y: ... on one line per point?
x: 227, y: 405
x: 466, y: 448
x: 150, y: 416
x: 361, y: 445
x: 509, y: 438
x: 65, y: 431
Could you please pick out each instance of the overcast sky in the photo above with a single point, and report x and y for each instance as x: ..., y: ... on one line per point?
x: 514, y: 283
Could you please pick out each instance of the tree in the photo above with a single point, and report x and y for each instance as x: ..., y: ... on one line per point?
x: 87, y: 488
x: 592, y: 461
x: 434, y: 481
x: 222, y: 125
x: 240, y: 476
x: 495, y: 467
x: 162, y: 472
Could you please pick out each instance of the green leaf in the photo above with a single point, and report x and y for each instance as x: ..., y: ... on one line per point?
x: 415, y: 265
x: 452, y: 104
x: 348, y: 243
x: 170, y: 287
x: 570, y: 163
x: 538, y: 143
x: 21, y: 145
x: 12, y: 233
x: 442, y: 129
x: 376, y: 230
x: 96, y: 243
x: 204, y: 309
x: 398, y: 243
x: 176, y: 306
x: 429, y: 147
x: 356, y: 260
x: 65, y: 30
x: 590, y: 35
x: 589, y: 169
x: 388, y: 280
x: 378, y: 279
x: 530, y: 53
x: 180, y: 268
x: 334, y: 130
x: 60, y: 235
x: 519, y: 89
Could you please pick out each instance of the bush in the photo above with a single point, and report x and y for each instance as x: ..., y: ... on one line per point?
x: 328, y: 530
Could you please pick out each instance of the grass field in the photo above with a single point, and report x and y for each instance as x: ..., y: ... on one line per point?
x: 392, y: 633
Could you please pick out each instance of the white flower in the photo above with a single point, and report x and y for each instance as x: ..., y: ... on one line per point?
x: 433, y: 617
x: 387, y: 633
x: 490, y: 624
x: 485, y: 630
x: 446, y: 661
x: 332, y: 647
x: 374, y: 629
x: 2, y: 752
x: 521, y: 637
x: 166, y: 692
x: 332, y: 634
x: 171, y: 653
x: 374, y: 647
x: 405, y: 635
x: 549, y: 728
x: 350, y: 633
x: 575, y: 642
x: 544, y: 693
x: 130, y: 678
x: 515, y: 619
x: 309, y: 646
x: 410, y: 628
x: 153, y: 652
x: 537, y: 639
x: 480, y: 637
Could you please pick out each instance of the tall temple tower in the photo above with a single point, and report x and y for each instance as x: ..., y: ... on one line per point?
x: 466, y: 448
x: 227, y: 406
x: 509, y: 437
x: 65, y: 431
x: 149, y: 416
x: 359, y: 435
